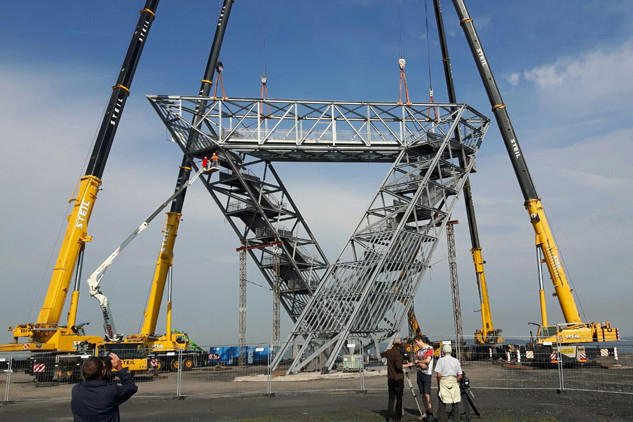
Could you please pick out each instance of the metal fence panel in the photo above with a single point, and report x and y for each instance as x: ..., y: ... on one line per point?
x: 611, y: 371
x: 227, y: 371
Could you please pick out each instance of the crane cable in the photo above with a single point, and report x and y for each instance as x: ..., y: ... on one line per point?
x: 263, y: 56
x: 428, y: 60
x: 401, y: 27
x: 401, y: 61
x: 262, y: 38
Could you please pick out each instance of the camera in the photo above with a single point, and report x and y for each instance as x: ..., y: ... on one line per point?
x: 107, y: 360
x: 405, y: 353
x: 464, y: 383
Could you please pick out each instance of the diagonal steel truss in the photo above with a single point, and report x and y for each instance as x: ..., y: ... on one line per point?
x: 367, y: 292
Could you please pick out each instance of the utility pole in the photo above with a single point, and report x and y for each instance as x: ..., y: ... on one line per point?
x: 457, y: 308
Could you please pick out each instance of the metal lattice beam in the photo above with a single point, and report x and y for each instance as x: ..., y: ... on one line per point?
x: 301, y: 130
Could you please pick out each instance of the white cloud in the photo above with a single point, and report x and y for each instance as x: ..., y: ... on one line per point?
x: 593, y: 83
x: 514, y: 78
x: 546, y: 76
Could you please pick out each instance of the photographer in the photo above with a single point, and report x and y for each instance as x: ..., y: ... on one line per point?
x: 396, y: 358
x: 95, y: 399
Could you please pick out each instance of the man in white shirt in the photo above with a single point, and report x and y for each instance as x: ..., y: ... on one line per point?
x: 449, y: 372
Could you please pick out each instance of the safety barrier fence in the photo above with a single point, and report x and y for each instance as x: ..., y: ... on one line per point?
x: 231, y: 371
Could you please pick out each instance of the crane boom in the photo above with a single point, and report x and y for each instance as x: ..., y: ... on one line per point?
x: 76, y: 235
x: 166, y: 254
x: 488, y: 333
x: 544, y: 238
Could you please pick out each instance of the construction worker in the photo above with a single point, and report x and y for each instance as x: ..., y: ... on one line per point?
x: 205, y: 163
x: 214, y: 157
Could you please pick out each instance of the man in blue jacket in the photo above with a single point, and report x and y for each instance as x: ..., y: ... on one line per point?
x: 96, y: 399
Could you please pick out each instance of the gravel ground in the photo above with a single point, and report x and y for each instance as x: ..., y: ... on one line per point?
x: 501, y: 394
x: 494, y: 405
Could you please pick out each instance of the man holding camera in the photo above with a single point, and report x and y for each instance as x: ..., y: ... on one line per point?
x: 96, y: 399
x: 396, y: 359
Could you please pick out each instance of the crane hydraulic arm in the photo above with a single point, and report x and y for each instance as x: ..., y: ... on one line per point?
x: 76, y: 235
x: 488, y: 334
x: 166, y: 253
x: 94, y: 281
x: 578, y: 330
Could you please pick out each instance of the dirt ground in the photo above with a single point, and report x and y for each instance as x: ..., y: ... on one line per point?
x: 501, y: 394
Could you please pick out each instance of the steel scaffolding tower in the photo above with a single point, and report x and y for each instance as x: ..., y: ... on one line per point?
x: 276, y: 293
x: 242, y: 306
x: 457, y: 307
x: 366, y: 294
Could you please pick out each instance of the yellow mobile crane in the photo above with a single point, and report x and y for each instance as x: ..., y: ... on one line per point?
x: 46, y: 334
x: 488, y: 334
x: 166, y: 348
x: 575, y: 330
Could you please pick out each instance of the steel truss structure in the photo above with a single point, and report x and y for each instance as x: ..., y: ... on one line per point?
x: 367, y: 292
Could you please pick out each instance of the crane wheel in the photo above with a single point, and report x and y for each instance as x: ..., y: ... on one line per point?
x: 187, y: 364
x: 159, y: 365
x: 63, y: 374
x: 174, y: 365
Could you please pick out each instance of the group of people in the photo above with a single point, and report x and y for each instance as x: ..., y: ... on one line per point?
x: 448, y: 372
x: 210, y: 164
x: 98, y: 399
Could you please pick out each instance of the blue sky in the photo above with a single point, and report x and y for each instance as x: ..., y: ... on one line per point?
x: 563, y: 69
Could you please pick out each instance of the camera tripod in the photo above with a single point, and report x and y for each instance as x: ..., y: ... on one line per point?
x: 468, y: 402
x: 415, y: 397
